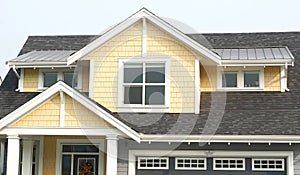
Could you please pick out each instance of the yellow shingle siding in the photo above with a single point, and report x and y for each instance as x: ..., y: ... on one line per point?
x: 272, y: 78
x: 47, y: 115
x: 208, y: 78
x: 31, y: 79
x: 76, y: 115
x: 161, y: 44
x: 85, y: 78
x: 126, y: 45
x: 49, y: 162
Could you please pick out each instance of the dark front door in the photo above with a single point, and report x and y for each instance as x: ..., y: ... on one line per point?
x: 85, y: 165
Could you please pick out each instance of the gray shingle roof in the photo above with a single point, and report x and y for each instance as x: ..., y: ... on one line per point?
x: 254, y: 113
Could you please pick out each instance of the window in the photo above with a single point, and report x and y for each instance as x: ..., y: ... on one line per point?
x: 71, y: 79
x: 229, y: 163
x: 153, y: 163
x: 268, y: 164
x: 143, y: 84
x: 48, y: 77
x: 229, y: 79
x: 190, y: 163
x: 251, y: 79
x: 240, y: 78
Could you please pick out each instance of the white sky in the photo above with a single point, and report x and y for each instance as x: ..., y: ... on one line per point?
x: 21, y: 18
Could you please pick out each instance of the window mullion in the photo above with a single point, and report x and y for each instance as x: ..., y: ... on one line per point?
x: 144, y: 87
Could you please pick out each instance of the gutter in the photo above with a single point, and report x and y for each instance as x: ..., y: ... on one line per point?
x: 15, y: 71
x: 221, y: 138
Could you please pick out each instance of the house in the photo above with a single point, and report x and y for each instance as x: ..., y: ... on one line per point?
x: 146, y: 98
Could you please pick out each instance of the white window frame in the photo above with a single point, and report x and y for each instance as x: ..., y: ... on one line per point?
x: 140, y: 107
x: 153, y: 158
x: 59, y: 153
x: 229, y: 168
x: 60, y: 74
x: 190, y: 168
x: 240, y: 78
x: 268, y: 169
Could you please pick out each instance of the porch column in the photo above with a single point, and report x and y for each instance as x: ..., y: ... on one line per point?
x: 111, y: 154
x: 13, y: 152
x: 27, y: 157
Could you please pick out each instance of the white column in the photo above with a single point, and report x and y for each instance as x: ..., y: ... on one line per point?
x: 13, y: 152
x: 27, y: 157
x: 2, y: 150
x: 111, y: 155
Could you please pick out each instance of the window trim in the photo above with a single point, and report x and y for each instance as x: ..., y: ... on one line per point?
x: 268, y: 169
x: 190, y: 168
x: 59, y: 152
x: 240, y: 78
x: 137, y: 107
x: 153, y: 168
x: 60, y: 74
x: 230, y: 169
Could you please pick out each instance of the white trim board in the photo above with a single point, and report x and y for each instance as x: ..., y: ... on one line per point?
x: 61, y: 86
x: 137, y: 17
x: 289, y: 155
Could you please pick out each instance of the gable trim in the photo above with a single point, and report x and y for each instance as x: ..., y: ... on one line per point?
x: 144, y: 15
x: 61, y: 86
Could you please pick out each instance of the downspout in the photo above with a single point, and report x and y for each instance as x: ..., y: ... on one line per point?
x: 15, y: 71
x: 286, y: 73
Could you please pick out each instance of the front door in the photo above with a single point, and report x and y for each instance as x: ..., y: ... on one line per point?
x: 85, y: 165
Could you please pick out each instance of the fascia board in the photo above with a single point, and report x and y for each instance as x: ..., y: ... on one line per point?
x: 185, y: 39
x: 222, y: 138
x: 101, y: 40
x: 61, y: 86
x: 131, y: 21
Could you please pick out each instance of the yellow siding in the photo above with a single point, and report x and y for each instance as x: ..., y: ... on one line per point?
x: 208, y: 78
x: 85, y: 78
x: 126, y: 45
x: 49, y: 162
x: 76, y: 115
x: 160, y: 44
x: 272, y: 78
x: 47, y: 115
x: 31, y: 78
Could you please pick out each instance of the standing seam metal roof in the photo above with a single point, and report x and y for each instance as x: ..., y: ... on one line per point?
x: 44, y: 56
x: 267, y: 53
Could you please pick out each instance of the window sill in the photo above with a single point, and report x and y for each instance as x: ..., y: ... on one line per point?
x: 240, y: 89
x: 143, y: 109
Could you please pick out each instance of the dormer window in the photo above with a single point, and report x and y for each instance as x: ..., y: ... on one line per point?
x: 48, y: 77
x: 144, y: 85
x: 241, y: 78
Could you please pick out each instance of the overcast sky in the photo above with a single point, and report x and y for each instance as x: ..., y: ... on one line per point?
x: 21, y: 18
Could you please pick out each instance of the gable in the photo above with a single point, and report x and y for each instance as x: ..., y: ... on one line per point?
x: 128, y: 45
x: 48, y: 115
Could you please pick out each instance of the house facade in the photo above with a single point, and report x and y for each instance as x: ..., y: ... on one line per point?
x: 146, y: 98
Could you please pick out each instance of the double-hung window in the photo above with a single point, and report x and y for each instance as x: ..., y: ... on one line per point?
x: 143, y: 83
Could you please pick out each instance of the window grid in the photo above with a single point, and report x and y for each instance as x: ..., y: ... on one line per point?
x: 153, y: 163
x: 190, y: 163
x: 229, y: 164
x: 268, y: 164
x: 143, y: 84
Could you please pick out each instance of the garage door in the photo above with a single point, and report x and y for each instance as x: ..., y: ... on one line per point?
x: 211, y: 166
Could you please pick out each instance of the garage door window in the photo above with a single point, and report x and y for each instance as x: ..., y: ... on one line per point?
x: 268, y: 164
x: 153, y: 163
x: 190, y: 163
